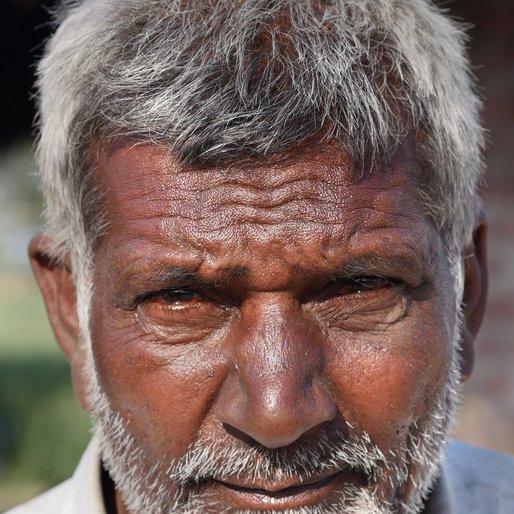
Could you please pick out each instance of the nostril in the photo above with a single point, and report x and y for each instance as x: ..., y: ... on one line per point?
x: 239, y: 434
x: 273, y: 424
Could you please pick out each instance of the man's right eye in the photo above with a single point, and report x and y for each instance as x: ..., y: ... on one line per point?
x: 172, y: 306
x: 174, y: 298
x: 179, y: 316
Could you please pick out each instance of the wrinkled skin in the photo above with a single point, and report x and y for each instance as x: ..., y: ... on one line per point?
x: 264, y: 304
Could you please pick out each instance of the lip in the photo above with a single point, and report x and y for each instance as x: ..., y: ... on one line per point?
x: 279, y: 488
x: 292, y: 494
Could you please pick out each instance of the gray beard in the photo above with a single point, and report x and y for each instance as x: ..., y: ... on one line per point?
x: 173, y: 486
x: 170, y: 486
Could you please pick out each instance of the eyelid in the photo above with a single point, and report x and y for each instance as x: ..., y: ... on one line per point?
x: 144, y: 297
x: 374, y: 309
x: 167, y: 290
x: 202, y: 294
x: 363, y: 278
x: 337, y: 286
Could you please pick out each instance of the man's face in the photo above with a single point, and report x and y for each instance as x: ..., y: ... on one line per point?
x: 287, y: 318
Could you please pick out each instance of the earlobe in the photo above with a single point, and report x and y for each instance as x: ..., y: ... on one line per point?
x: 56, y: 283
x: 475, y: 296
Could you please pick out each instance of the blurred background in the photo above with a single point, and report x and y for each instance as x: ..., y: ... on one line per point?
x: 42, y: 429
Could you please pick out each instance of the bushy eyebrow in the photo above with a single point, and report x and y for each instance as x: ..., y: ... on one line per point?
x: 171, y: 276
x: 405, y: 261
x: 406, y: 264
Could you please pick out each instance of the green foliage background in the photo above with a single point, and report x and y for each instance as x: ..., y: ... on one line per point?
x: 43, y: 430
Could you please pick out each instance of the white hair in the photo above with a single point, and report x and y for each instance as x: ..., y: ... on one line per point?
x: 224, y: 81
x: 218, y: 82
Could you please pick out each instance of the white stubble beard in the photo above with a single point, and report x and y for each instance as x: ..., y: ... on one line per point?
x: 151, y: 487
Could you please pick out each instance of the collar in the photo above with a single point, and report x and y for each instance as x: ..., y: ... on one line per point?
x: 86, y: 496
x: 441, y: 500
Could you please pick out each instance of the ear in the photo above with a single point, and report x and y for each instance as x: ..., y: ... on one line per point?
x: 475, y: 295
x: 56, y: 283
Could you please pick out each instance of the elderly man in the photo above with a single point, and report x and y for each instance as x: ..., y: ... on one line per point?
x: 264, y: 256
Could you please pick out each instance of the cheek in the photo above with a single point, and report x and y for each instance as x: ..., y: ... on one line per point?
x: 384, y: 382
x: 163, y: 392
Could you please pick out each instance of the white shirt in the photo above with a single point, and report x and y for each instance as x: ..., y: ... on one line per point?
x: 473, y: 481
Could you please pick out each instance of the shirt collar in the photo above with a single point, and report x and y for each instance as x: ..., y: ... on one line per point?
x: 86, y: 495
x: 441, y: 500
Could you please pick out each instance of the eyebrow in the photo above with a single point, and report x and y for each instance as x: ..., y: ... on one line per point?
x: 410, y: 265
x: 171, y: 276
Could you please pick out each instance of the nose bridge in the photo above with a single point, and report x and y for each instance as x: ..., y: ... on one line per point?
x: 275, y: 351
x: 276, y: 391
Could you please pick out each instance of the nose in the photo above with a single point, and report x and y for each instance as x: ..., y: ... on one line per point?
x: 275, y: 392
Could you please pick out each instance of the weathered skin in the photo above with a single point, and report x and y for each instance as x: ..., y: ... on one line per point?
x: 272, y: 341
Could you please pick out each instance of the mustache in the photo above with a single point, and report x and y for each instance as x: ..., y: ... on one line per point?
x: 209, y: 460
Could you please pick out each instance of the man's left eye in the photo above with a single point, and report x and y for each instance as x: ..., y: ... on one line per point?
x: 363, y: 303
x: 362, y: 284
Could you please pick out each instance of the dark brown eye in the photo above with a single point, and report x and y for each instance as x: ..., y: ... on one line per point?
x: 169, y: 305
x: 368, y: 302
x: 365, y: 283
x: 176, y: 297
x: 180, y: 316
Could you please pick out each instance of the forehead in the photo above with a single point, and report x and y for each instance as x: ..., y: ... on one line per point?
x: 306, y: 212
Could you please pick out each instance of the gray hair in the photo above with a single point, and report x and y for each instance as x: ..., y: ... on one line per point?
x: 222, y: 81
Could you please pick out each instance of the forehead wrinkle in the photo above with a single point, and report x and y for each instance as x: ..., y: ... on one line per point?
x: 312, y: 208
x: 279, y: 199
x: 257, y: 229
x: 305, y: 205
x: 263, y: 181
x: 228, y: 200
x: 322, y: 181
x: 296, y: 216
x: 311, y: 204
x: 253, y: 182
